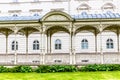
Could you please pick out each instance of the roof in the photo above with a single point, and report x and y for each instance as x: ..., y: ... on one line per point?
x: 3, y: 18
x: 83, y: 15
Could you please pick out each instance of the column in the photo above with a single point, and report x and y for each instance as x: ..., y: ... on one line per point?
x: 26, y: 34
x: 26, y: 44
x: 40, y: 47
x: 15, y: 53
x: 6, y: 47
x: 43, y: 47
x: 73, y: 48
x: 101, y: 50
x: 70, y: 44
x: 48, y: 42
x: 6, y: 43
x: 118, y: 40
x: 26, y: 55
x: 95, y: 43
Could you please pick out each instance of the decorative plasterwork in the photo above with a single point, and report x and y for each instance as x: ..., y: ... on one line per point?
x: 56, y: 18
x: 50, y: 26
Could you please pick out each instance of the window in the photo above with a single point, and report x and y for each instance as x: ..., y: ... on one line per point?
x: 83, y: 7
x: 36, y: 14
x: 84, y: 44
x: 58, y: 44
x: 36, y: 45
x: 13, y: 45
x: 15, y: 15
x: 109, y: 44
x: 108, y: 6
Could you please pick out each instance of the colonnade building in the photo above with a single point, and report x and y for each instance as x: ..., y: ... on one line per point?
x: 70, y: 32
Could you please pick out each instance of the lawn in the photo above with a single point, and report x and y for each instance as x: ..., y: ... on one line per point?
x: 115, y: 75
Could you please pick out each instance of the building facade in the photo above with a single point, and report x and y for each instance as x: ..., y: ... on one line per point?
x: 70, y: 32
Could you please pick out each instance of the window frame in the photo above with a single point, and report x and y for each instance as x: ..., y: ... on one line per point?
x: 36, y: 45
x: 109, y: 43
x: 13, y: 45
x: 84, y: 44
x: 58, y: 44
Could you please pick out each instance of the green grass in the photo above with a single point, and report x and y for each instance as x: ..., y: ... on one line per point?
x: 115, y: 75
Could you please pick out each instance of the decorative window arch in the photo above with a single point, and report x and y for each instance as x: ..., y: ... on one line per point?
x: 109, y: 44
x: 84, y: 7
x: 13, y: 45
x: 108, y: 6
x: 84, y: 44
x: 58, y: 44
x: 35, y: 45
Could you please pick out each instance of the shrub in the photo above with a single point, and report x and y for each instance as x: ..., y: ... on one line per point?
x: 101, y: 67
x: 3, y: 69
x: 23, y: 69
x: 55, y: 68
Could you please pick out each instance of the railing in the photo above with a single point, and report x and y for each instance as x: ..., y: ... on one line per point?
x: 60, y: 58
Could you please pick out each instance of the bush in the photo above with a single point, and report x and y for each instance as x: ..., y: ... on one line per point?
x: 61, y: 68
x: 101, y: 67
x: 55, y: 68
x: 23, y: 69
x: 3, y: 69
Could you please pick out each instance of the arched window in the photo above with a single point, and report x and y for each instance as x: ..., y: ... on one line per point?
x: 108, y: 6
x: 109, y: 44
x: 36, y: 45
x: 83, y: 7
x: 15, y: 15
x: 58, y: 44
x: 13, y: 45
x: 84, y: 44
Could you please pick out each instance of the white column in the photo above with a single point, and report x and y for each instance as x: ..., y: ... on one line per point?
x: 101, y: 49
x: 6, y: 44
x: 70, y: 44
x: 95, y: 43
x: 40, y: 47
x: 15, y: 53
x: 48, y: 43
x: 6, y: 47
x: 118, y: 40
x: 73, y: 48
x: 26, y: 44
x: 26, y: 55
x: 43, y: 47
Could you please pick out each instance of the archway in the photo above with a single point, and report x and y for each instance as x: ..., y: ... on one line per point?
x: 88, y: 33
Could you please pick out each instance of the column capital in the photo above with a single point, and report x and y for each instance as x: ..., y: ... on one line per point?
x: 15, y: 29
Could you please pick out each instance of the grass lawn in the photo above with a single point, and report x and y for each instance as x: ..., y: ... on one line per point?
x: 115, y: 75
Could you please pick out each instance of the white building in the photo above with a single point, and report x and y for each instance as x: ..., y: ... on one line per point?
x: 75, y: 32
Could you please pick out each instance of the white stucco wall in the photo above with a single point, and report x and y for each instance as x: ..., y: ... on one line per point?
x: 65, y: 39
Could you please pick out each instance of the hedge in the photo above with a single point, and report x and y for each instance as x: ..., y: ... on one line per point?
x: 56, y: 68
x: 61, y: 68
x: 101, y: 67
